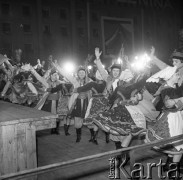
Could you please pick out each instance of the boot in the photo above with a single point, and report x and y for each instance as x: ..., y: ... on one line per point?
x: 168, y: 162
x: 66, y: 128
x: 92, y: 135
x: 124, y: 157
x: 78, y: 133
x: 95, y: 137
x: 57, y: 127
x: 175, y: 175
x: 106, y: 137
x: 118, y: 145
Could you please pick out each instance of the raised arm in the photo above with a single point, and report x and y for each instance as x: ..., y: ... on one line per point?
x: 161, y: 65
x: 7, y: 86
x: 47, y: 73
x: 100, y: 67
x: 32, y: 88
x: 9, y: 65
x: 39, y: 78
x: 68, y: 76
x: 42, y: 80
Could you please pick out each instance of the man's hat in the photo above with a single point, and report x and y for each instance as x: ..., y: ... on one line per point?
x: 81, y: 68
x: 115, y: 65
x: 53, y: 71
x: 177, y: 55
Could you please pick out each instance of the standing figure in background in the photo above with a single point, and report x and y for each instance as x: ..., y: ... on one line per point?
x: 18, y: 57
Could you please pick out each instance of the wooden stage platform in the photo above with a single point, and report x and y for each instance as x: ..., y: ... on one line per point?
x: 18, y: 126
x: 59, y: 148
x: 21, y: 136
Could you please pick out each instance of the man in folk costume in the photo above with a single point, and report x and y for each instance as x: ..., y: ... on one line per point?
x: 171, y: 94
x: 176, y: 58
x: 78, y: 102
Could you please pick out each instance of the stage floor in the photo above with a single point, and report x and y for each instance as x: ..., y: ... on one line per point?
x: 59, y: 148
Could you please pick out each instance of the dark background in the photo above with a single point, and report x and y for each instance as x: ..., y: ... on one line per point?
x: 73, y: 27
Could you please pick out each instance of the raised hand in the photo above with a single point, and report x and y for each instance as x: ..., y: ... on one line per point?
x: 89, y: 58
x: 38, y: 61
x: 97, y: 53
x: 152, y: 51
x: 26, y: 67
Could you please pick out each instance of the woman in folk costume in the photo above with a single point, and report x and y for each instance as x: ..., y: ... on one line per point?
x: 170, y: 122
x: 123, y: 120
x: 22, y: 88
x: 52, y: 100
x: 10, y: 72
x: 62, y: 109
x: 97, y: 103
x: 78, y: 102
x: 48, y: 101
x: 110, y: 79
x: 2, y: 81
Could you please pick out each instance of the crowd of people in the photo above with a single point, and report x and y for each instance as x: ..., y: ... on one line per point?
x: 120, y: 101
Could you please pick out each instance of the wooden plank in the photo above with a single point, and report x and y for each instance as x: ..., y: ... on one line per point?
x: 1, y: 150
x: 9, y: 158
x: 18, y: 125
x: 45, y: 124
x: 31, y: 158
x: 21, y: 147
x: 13, y: 113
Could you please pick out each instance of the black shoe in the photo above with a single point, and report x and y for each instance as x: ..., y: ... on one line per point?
x: 92, y: 135
x: 68, y: 134
x: 175, y: 175
x: 95, y: 141
x: 57, y: 127
x: 166, y: 167
x: 78, y: 139
x: 90, y: 140
x: 124, y: 157
x: 106, y: 137
x: 118, y: 145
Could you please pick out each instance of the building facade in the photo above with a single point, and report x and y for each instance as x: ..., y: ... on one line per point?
x: 75, y: 27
